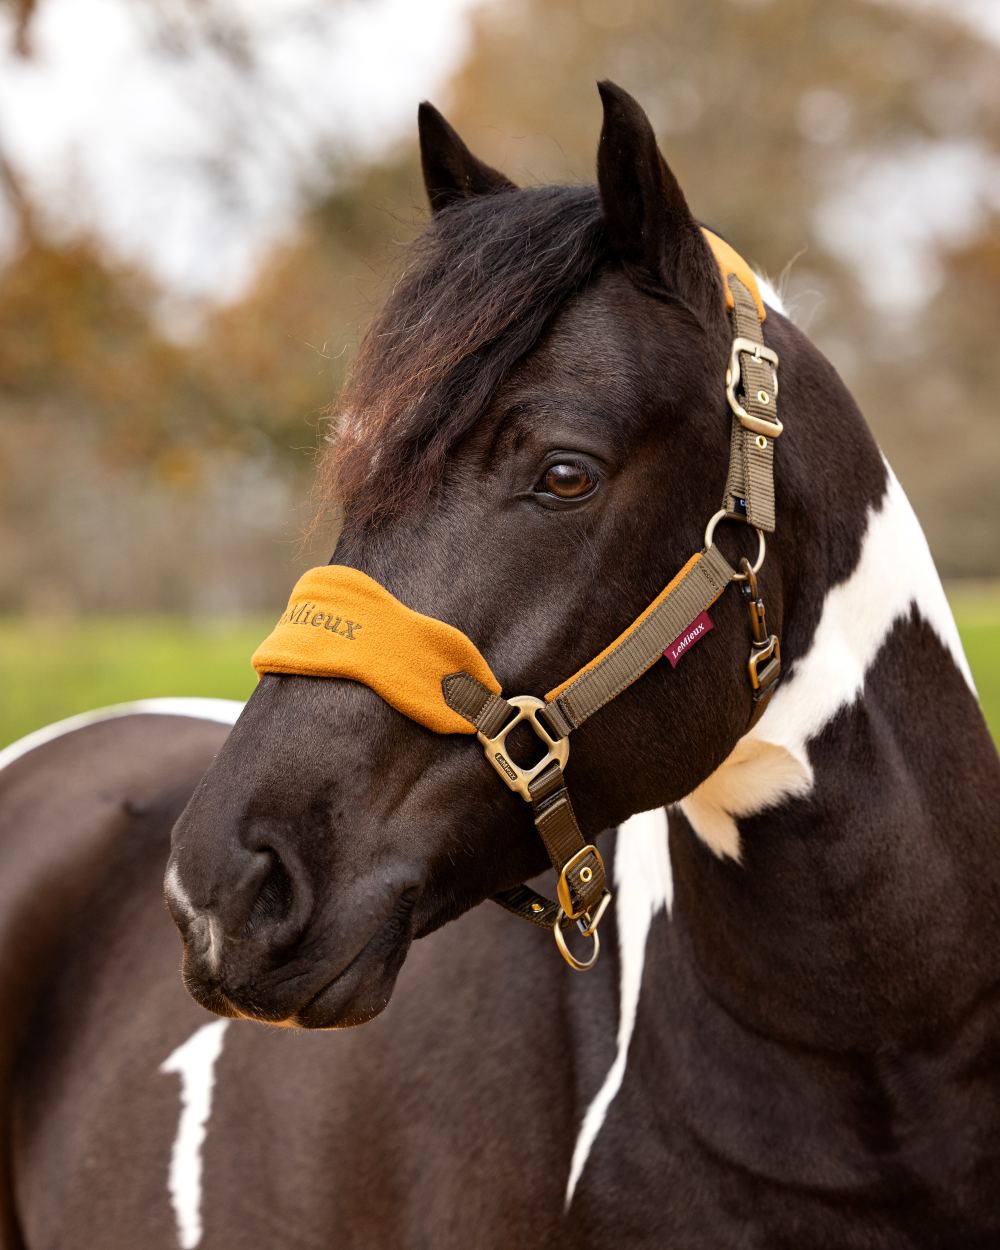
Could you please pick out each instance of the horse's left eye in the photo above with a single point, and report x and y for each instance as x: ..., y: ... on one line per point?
x: 571, y: 479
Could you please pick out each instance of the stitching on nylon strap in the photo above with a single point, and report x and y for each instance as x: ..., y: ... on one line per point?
x: 631, y: 655
x: 467, y: 696
x: 643, y: 644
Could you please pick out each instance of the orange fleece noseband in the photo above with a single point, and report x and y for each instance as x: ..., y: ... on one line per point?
x: 341, y: 623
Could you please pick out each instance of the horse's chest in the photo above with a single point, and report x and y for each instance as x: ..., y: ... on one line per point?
x: 660, y: 1174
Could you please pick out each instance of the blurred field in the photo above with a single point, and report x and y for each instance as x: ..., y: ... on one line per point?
x: 52, y: 670
x: 48, y: 671
x: 977, y: 610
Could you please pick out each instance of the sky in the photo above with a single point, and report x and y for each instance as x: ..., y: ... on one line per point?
x: 128, y: 122
x: 133, y: 125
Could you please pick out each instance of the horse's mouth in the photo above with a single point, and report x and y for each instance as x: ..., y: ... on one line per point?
x: 352, y: 996
x: 357, y: 992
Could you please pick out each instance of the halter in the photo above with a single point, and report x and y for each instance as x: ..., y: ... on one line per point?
x: 341, y: 623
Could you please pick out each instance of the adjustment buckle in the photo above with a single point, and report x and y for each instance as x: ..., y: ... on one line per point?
x: 511, y: 773
x: 743, y: 346
x: 588, y: 928
x: 563, y: 891
x: 764, y: 665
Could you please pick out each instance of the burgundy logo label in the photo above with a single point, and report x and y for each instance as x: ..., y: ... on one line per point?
x: 683, y: 643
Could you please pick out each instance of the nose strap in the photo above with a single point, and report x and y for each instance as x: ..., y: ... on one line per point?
x: 485, y: 710
x: 342, y: 623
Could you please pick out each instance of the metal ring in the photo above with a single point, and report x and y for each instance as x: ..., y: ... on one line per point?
x: 723, y: 515
x: 578, y: 965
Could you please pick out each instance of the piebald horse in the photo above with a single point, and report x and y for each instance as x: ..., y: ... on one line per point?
x: 792, y: 1038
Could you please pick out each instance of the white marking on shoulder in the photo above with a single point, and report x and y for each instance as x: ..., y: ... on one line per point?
x: 194, y: 1062
x: 895, y: 574
x: 225, y: 711
x: 643, y: 886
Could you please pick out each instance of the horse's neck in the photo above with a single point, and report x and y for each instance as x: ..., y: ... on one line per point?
x: 836, y: 878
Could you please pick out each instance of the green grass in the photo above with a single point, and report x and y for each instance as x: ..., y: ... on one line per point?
x: 49, y: 670
x: 977, y: 611
x: 52, y: 670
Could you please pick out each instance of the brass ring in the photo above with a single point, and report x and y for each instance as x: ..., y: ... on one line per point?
x: 578, y: 965
x: 723, y: 515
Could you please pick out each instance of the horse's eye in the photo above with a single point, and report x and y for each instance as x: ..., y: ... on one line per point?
x: 570, y: 480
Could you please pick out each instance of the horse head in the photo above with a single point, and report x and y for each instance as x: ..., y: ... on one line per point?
x: 533, y: 437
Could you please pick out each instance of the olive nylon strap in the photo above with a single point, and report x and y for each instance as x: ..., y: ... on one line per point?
x: 749, y: 491
x: 640, y: 648
x: 555, y: 821
x: 481, y: 707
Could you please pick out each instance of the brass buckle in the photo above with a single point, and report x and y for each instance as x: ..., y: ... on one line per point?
x: 764, y: 664
x: 771, y: 429
x: 513, y: 775
x: 588, y: 928
x: 562, y: 886
x: 768, y: 655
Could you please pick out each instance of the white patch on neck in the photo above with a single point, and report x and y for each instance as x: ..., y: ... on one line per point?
x: 895, y: 574
x: 225, y: 711
x: 643, y: 886
x: 194, y: 1062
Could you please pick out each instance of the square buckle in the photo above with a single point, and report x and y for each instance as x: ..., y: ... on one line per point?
x: 511, y: 773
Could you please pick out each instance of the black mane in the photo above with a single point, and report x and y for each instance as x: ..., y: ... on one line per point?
x: 481, y: 285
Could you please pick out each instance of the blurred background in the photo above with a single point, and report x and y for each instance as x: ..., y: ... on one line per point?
x: 202, y: 201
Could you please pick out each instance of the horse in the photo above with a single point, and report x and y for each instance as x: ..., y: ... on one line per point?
x: 792, y: 1036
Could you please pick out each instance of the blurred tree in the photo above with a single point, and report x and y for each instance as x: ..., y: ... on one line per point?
x: 143, y: 468
x: 23, y: 11
x: 814, y: 134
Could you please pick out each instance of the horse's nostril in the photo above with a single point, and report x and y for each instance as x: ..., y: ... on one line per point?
x: 274, y: 898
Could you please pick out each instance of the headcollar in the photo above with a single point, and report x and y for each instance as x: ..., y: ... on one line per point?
x: 341, y: 623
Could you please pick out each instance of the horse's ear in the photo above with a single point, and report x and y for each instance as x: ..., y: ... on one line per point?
x: 451, y: 172
x: 648, y: 221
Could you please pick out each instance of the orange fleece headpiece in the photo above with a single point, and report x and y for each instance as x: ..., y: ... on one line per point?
x: 341, y: 623
x: 730, y: 261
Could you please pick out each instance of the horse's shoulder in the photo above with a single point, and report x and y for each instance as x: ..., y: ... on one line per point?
x: 102, y: 756
x: 71, y: 805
